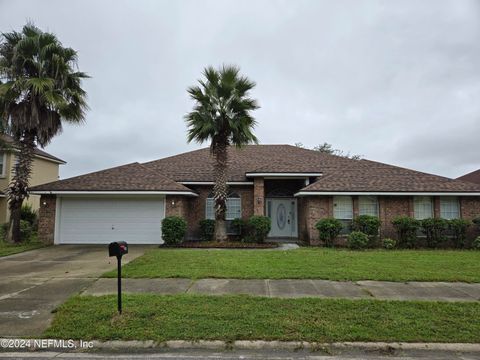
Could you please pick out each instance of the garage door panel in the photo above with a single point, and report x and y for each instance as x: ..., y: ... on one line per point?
x: 100, y: 221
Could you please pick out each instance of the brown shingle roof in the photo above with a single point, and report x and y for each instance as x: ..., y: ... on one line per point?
x: 387, y: 178
x: 339, y: 173
x: 473, y: 177
x: 198, y: 165
x: 131, y: 177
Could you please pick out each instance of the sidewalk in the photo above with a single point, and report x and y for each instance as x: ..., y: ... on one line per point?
x: 381, y: 290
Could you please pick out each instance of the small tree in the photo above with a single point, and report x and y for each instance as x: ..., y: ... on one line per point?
x: 459, y: 228
x: 328, y: 230
x: 434, y: 230
x: 406, y: 228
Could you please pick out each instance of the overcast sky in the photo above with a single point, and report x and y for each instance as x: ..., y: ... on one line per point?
x: 394, y: 81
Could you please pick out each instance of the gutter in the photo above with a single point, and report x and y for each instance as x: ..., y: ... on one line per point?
x: 53, y: 192
x: 394, y: 193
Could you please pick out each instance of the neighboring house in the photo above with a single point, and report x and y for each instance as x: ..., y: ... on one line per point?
x: 473, y: 177
x: 44, y: 170
x: 294, y: 187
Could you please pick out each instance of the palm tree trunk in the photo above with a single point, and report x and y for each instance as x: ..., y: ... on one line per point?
x: 220, y: 192
x: 17, y: 189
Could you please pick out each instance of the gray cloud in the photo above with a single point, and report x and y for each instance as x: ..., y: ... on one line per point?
x: 396, y: 81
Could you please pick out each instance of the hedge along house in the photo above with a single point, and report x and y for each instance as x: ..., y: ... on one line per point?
x: 294, y: 187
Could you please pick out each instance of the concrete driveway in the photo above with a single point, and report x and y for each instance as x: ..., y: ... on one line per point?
x: 34, y: 283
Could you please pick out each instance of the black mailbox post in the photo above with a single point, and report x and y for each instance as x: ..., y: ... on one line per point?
x: 118, y: 249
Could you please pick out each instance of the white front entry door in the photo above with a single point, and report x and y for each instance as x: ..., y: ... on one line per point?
x: 283, y: 214
x: 102, y: 220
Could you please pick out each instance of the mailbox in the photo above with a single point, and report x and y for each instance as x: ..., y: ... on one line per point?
x: 118, y: 248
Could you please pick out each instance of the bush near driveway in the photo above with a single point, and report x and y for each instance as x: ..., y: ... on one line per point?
x: 308, y: 263
x: 194, y: 317
x: 174, y: 229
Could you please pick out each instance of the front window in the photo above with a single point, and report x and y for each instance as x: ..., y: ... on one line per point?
x: 368, y: 205
x: 423, y: 207
x: 234, y: 210
x: 343, y: 211
x: 449, y: 208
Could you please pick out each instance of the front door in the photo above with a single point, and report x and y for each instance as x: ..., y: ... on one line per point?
x: 283, y: 214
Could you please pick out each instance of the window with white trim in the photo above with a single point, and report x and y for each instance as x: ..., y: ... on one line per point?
x: 368, y: 205
x: 343, y: 211
x: 423, y: 207
x: 234, y: 210
x: 449, y: 207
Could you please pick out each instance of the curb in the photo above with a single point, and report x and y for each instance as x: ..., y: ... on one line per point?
x: 135, y: 345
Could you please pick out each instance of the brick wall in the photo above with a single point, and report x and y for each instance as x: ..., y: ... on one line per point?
x: 259, y: 196
x: 195, y: 207
x: 46, y: 218
x: 391, y: 207
x: 470, y: 209
x: 314, y: 208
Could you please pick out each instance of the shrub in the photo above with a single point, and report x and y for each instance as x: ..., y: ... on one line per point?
x: 173, y: 229
x: 328, y: 230
x: 239, y: 226
x: 459, y: 227
x: 406, y: 228
x: 369, y: 225
x: 258, y: 228
x: 389, y: 243
x: 207, y: 229
x: 26, y: 230
x: 3, y: 231
x: 357, y: 240
x: 476, y: 243
x: 476, y: 221
x: 28, y: 214
x: 434, y: 230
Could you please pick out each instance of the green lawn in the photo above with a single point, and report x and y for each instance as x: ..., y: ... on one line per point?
x: 9, y: 249
x: 307, y: 263
x: 193, y: 317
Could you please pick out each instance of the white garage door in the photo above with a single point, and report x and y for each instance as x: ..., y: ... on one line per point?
x: 103, y: 220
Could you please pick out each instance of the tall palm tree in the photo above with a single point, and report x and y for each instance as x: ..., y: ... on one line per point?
x: 222, y: 115
x: 41, y: 89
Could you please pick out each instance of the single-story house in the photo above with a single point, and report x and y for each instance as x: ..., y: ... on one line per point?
x: 473, y: 177
x: 294, y: 187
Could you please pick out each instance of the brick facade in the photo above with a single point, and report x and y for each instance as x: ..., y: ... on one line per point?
x: 259, y: 196
x: 193, y: 208
x: 310, y: 210
x: 46, y: 218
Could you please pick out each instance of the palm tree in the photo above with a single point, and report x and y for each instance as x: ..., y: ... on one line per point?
x: 41, y: 89
x: 222, y: 115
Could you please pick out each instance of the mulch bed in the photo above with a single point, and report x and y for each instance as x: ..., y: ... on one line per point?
x: 221, y: 245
